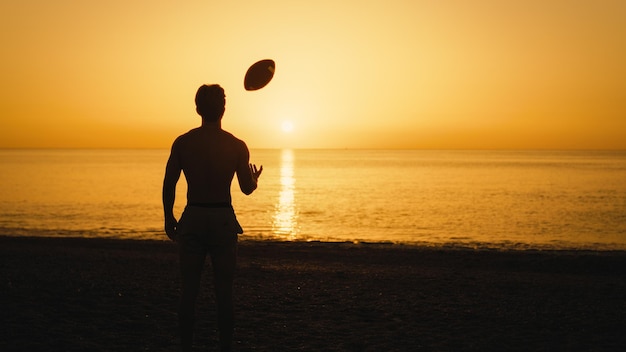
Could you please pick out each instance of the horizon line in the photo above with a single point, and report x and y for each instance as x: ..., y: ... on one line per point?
x: 326, y: 148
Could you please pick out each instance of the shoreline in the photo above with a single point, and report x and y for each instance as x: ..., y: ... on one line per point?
x: 503, y: 246
x: 77, y: 294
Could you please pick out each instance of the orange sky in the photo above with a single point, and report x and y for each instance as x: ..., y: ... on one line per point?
x: 350, y: 74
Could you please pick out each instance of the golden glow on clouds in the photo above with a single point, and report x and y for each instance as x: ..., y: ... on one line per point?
x: 392, y: 74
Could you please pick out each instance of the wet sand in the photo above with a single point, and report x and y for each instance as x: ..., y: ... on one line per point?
x: 119, y: 295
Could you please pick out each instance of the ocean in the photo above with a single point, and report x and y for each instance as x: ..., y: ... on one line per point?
x: 475, y: 199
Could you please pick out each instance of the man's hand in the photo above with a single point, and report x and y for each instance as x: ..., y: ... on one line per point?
x: 255, y: 173
x: 170, y: 228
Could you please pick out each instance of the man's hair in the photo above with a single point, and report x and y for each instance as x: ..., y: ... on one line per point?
x: 210, y: 102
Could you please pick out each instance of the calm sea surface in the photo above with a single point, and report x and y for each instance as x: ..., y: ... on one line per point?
x: 483, y: 199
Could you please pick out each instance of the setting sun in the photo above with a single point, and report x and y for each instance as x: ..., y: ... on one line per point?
x: 287, y: 126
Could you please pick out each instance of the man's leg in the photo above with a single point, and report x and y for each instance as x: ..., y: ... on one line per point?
x: 224, y: 260
x: 191, y: 270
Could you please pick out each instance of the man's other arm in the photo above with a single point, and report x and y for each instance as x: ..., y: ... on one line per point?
x: 172, y: 174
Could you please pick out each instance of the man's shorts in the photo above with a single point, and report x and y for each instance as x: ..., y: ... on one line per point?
x: 201, y: 229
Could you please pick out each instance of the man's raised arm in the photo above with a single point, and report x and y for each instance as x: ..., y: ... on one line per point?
x: 247, y: 174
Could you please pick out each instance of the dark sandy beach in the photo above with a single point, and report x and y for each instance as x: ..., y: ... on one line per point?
x: 118, y: 295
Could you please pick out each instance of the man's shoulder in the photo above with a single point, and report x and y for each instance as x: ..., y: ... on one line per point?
x: 232, y: 138
x: 181, y: 141
x: 187, y: 135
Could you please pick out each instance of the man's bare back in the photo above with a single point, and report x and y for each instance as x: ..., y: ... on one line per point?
x: 209, y: 158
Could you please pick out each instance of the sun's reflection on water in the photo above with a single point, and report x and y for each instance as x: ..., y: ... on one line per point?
x: 285, y: 219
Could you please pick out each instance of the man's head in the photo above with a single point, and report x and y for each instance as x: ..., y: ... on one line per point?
x: 210, y: 102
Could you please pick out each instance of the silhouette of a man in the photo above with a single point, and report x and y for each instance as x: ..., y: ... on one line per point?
x: 209, y: 158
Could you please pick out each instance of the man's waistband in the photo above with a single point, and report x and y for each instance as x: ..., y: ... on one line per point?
x: 212, y: 205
